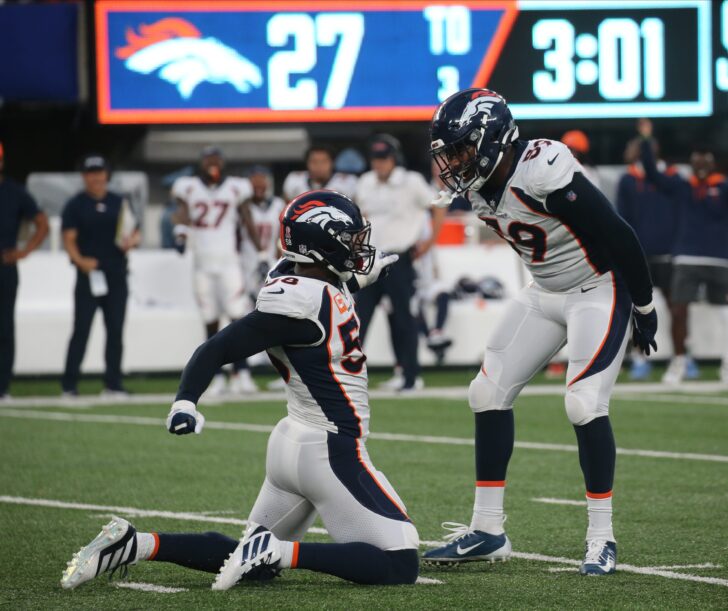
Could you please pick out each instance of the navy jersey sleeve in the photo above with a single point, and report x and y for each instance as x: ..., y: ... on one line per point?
x: 69, y: 216
x: 243, y: 338
x: 625, y: 199
x: 585, y: 209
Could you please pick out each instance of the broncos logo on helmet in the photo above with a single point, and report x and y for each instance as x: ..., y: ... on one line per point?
x: 176, y: 48
x: 470, y: 132
x: 326, y: 227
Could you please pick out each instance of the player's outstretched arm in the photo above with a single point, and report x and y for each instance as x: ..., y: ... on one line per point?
x: 586, y: 210
x: 241, y: 339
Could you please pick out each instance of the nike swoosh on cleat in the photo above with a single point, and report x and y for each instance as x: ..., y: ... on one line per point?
x: 462, y: 551
x: 587, y: 289
x: 551, y: 161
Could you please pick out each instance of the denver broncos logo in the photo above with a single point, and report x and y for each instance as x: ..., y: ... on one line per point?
x: 176, y: 48
x: 319, y: 213
x: 480, y: 103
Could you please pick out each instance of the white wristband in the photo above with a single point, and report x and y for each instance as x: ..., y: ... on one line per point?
x: 645, y: 309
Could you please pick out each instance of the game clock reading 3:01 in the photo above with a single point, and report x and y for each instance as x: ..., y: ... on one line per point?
x: 234, y: 61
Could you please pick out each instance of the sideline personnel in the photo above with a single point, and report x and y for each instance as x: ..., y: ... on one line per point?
x: 396, y: 202
x: 16, y: 205
x: 92, y: 236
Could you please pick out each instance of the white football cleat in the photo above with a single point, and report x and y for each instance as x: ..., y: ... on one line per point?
x: 114, y: 547
x: 600, y: 558
x: 255, y: 558
x: 395, y: 382
x: 242, y: 383
x: 675, y: 371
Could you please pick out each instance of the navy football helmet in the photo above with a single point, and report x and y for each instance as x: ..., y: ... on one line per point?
x: 470, y: 132
x: 327, y: 227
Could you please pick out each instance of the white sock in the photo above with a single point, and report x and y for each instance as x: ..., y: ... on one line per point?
x: 147, y: 545
x: 289, y: 555
x: 488, y: 508
x: 600, y: 518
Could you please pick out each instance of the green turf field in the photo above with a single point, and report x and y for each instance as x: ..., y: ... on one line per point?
x: 670, y: 509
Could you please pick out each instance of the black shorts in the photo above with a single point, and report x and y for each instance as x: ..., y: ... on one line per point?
x: 661, y: 272
x: 692, y: 283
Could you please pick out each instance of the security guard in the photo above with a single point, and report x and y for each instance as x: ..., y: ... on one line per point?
x: 96, y: 240
x: 396, y: 202
x: 16, y: 206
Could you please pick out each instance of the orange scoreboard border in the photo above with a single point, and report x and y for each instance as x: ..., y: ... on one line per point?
x: 265, y: 115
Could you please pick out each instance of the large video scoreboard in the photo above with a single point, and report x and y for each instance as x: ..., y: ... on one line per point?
x: 299, y: 61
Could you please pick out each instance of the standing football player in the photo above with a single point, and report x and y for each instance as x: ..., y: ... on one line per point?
x: 265, y: 211
x: 317, y: 462
x: 590, y: 278
x: 211, y: 206
x: 319, y: 174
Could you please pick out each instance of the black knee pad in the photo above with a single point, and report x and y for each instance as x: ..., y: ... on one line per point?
x: 405, y: 566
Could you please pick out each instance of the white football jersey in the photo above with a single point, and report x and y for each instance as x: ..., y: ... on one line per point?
x: 326, y: 383
x: 214, y: 217
x: 300, y: 182
x: 266, y: 218
x: 558, y: 258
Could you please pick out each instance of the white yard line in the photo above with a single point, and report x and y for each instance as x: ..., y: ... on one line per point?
x: 676, y: 398
x: 551, y: 501
x: 428, y: 581
x: 677, y: 567
x: 148, y: 587
x: 442, y: 392
x: 265, y: 428
x: 197, y: 517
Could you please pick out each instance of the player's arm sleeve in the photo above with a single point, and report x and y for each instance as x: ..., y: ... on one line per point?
x: 243, y: 338
x: 587, y: 211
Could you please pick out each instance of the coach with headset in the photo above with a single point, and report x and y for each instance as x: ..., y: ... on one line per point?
x: 397, y: 203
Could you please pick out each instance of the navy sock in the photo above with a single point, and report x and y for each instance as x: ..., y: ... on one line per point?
x: 202, y: 552
x: 360, y: 562
x: 494, y: 438
x: 597, y: 454
x: 240, y: 365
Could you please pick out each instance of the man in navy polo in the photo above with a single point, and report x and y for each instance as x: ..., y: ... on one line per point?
x: 16, y: 206
x: 95, y: 241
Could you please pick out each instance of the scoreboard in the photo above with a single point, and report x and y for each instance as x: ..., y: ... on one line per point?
x: 330, y: 60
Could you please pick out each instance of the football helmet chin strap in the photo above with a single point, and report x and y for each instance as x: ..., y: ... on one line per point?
x: 315, y: 257
x: 508, y: 137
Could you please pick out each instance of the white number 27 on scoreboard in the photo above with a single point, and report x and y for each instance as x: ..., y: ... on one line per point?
x: 309, y: 33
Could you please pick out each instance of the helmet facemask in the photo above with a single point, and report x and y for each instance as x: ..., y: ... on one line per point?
x: 362, y: 252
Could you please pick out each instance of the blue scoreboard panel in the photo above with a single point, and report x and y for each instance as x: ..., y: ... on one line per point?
x: 236, y: 61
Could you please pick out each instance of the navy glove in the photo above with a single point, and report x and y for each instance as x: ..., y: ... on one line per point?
x: 644, y: 329
x: 184, y: 418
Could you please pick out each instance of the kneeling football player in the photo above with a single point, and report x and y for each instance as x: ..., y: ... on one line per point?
x: 317, y: 462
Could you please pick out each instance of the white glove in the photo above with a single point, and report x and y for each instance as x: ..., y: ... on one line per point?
x: 184, y: 418
x: 381, y: 262
x: 443, y: 199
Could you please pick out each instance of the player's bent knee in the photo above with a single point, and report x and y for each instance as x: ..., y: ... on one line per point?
x: 482, y: 394
x: 581, y: 405
x: 404, y: 566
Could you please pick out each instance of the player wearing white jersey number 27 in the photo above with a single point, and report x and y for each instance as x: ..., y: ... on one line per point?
x: 590, y: 277
x: 319, y: 174
x: 317, y: 462
x: 210, y: 208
